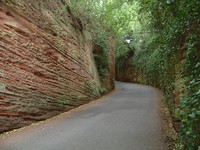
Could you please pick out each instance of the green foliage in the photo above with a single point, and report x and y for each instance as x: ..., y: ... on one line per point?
x: 173, y: 35
x: 190, y: 105
x: 101, y: 52
x: 108, y: 15
x: 102, y: 90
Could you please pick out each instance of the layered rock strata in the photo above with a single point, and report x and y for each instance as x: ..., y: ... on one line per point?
x: 46, y: 62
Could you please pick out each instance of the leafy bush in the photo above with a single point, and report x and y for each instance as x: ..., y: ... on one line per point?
x: 101, y: 52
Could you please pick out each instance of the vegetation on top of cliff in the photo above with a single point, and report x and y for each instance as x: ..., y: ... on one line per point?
x: 163, y: 37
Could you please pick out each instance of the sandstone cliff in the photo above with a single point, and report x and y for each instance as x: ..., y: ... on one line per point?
x: 46, y: 62
x: 126, y: 71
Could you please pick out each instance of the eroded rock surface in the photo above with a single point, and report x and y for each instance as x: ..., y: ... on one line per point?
x: 46, y: 62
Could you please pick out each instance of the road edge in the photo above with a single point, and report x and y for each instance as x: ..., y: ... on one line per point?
x: 79, y: 108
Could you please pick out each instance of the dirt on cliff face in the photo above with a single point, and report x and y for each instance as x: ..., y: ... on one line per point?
x: 46, y: 62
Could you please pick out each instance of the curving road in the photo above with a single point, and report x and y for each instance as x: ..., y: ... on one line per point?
x: 126, y: 120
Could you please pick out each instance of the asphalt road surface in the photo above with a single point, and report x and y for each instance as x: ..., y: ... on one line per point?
x: 126, y: 120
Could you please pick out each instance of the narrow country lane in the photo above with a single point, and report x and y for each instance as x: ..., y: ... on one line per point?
x: 126, y: 120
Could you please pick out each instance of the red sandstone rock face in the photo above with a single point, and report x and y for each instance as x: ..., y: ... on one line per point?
x: 128, y: 73
x: 46, y: 62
